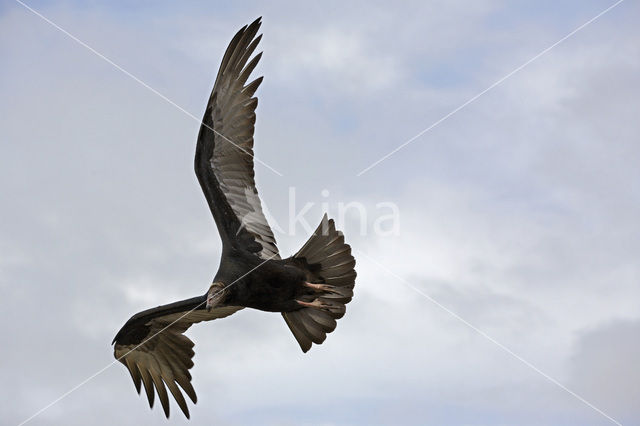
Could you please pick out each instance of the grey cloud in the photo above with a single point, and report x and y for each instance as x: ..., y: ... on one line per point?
x: 518, y: 213
x: 604, y: 367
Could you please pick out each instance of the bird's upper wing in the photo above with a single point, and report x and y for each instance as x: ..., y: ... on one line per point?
x: 224, y: 152
x: 156, y: 352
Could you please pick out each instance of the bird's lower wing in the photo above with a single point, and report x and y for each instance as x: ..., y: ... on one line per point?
x: 156, y: 352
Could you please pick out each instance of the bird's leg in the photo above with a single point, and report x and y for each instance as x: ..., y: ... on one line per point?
x: 321, y: 288
x: 317, y: 303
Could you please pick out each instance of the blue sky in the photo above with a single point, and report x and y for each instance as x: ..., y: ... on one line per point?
x: 518, y: 213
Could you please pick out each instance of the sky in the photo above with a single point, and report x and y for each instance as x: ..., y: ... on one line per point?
x: 507, y: 294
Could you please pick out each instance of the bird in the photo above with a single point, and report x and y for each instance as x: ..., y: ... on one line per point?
x: 310, y: 289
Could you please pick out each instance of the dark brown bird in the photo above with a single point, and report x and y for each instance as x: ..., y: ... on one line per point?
x: 310, y: 289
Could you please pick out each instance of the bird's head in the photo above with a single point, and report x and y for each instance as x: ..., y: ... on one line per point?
x: 216, y: 295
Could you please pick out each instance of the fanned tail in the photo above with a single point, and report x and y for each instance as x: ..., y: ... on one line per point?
x: 331, y: 264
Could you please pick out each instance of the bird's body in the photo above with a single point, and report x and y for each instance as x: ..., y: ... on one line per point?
x: 274, y: 289
x: 310, y: 289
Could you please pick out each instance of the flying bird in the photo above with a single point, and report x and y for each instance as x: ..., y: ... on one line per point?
x: 310, y: 289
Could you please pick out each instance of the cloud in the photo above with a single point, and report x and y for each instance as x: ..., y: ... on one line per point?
x: 518, y: 213
x: 603, y: 367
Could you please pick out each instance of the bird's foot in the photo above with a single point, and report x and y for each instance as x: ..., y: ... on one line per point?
x: 317, y: 303
x: 322, y: 288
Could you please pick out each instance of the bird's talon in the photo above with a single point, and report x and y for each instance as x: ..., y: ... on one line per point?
x: 322, y: 288
x: 317, y: 304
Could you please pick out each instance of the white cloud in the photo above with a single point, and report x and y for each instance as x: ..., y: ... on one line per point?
x: 518, y: 213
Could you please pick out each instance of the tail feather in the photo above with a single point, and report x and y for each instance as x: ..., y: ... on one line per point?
x: 330, y: 262
x: 342, y: 268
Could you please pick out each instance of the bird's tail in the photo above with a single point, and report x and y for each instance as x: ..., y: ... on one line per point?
x: 331, y: 268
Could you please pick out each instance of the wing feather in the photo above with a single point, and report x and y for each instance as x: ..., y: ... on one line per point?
x: 156, y: 373
x: 148, y: 383
x: 156, y: 352
x: 135, y: 373
x: 224, y: 153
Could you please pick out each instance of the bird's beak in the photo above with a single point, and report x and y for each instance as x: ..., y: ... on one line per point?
x: 209, y: 302
x: 215, y: 295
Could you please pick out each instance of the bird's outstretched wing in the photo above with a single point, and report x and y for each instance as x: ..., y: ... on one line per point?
x: 224, y: 152
x: 156, y: 352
